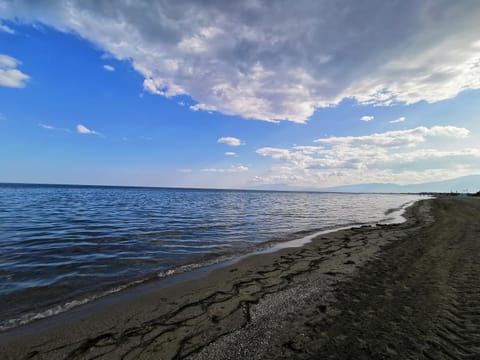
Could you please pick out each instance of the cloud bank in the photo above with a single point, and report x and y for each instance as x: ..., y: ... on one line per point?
x: 395, y: 138
x: 280, y: 60
x: 393, y: 156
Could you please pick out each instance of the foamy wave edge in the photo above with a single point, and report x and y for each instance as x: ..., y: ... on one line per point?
x: 58, y: 309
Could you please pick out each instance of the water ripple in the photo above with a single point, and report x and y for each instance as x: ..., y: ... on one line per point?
x: 61, y: 242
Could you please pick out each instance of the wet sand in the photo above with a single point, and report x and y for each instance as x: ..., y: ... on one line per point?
x: 407, y: 291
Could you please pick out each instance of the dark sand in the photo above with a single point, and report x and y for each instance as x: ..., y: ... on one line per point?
x: 408, y: 291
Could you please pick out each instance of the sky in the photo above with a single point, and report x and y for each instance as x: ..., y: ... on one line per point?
x: 249, y: 94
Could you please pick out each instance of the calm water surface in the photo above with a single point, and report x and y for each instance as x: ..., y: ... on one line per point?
x: 61, y: 246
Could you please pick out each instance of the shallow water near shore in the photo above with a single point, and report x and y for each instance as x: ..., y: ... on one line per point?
x: 62, y: 246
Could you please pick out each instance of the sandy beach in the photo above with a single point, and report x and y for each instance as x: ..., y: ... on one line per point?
x: 405, y: 291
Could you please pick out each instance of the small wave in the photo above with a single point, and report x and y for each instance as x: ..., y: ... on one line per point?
x: 58, y: 309
x: 395, y: 215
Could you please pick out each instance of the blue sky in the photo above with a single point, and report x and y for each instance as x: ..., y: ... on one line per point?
x: 238, y: 96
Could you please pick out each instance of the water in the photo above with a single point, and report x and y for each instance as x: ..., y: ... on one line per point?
x: 61, y: 246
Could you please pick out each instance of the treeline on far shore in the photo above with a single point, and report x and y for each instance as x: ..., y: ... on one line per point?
x: 452, y: 193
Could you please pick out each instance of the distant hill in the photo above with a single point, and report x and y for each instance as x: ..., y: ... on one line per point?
x: 462, y: 184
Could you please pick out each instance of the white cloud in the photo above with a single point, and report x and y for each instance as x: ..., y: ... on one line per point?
x: 109, y: 67
x: 230, y: 153
x: 396, y: 138
x: 277, y: 61
x: 4, y: 28
x: 367, y: 118
x: 10, y: 76
x: 165, y: 88
x: 356, y: 176
x: 8, y: 62
x: 53, y: 128
x: 81, y: 129
x: 374, y: 158
x: 228, y: 140
x: 399, y: 120
x: 232, y: 169
x: 203, y: 107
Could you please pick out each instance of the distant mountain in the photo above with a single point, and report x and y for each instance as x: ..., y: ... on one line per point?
x: 462, y: 184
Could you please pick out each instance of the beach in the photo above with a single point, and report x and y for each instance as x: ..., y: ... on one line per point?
x: 406, y: 291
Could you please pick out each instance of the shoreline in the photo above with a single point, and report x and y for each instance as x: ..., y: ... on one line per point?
x: 184, y: 272
x: 198, y: 318
x: 179, y: 282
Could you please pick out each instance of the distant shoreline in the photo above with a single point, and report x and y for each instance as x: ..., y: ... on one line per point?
x: 320, y: 191
x: 465, y: 184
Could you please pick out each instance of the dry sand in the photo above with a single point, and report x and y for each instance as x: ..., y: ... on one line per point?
x: 408, y: 291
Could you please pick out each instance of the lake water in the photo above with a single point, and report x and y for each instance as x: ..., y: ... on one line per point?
x: 61, y: 246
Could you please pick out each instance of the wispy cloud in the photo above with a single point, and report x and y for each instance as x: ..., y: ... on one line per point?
x: 108, y: 67
x: 203, y: 107
x: 10, y: 76
x: 399, y: 120
x: 53, y: 128
x: 268, y: 68
x: 228, y: 140
x: 232, y: 169
x: 396, y: 138
x: 82, y: 129
x: 6, y: 29
x: 46, y: 126
x: 230, y: 153
x: 367, y: 118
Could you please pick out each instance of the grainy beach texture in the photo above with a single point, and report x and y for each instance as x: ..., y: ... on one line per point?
x: 405, y: 291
